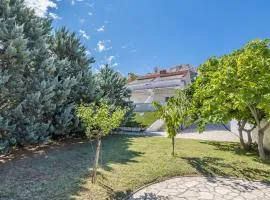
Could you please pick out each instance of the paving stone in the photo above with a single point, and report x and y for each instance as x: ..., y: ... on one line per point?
x: 205, y: 195
x: 222, y: 190
x: 203, y: 188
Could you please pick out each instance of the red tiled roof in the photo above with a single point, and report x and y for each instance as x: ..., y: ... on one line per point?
x: 157, y: 75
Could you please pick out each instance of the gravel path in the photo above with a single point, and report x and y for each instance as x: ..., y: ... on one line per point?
x: 192, y: 188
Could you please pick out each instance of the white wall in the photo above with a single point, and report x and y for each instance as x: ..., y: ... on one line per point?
x: 161, y: 94
x: 234, y: 128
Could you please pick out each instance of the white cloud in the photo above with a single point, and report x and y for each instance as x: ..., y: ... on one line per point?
x: 91, y: 5
x: 100, y: 46
x: 127, y: 45
x: 88, y: 52
x: 115, y: 64
x: 40, y: 6
x: 73, y: 2
x: 110, y: 59
x: 84, y: 34
x: 82, y: 20
x: 90, y: 13
x: 101, y: 29
x: 54, y: 16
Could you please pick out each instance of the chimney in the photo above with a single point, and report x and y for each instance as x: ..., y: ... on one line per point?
x: 163, y: 71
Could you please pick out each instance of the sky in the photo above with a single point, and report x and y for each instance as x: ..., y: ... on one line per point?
x: 138, y: 35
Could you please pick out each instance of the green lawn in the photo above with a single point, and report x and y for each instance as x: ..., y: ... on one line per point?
x: 146, y: 119
x: 127, y: 163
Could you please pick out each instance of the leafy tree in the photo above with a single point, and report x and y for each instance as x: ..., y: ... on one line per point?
x: 236, y: 86
x: 211, y: 102
x: 99, y: 120
x: 174, y: 113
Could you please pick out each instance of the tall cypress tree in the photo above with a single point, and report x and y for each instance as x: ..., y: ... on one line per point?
x: 32, y: 92
x: 67, y: 46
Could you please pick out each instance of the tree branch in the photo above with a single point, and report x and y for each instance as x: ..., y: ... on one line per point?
x: 255, y: 115
x: 251, y: 129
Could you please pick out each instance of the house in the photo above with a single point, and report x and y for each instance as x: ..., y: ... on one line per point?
x: 159, y: 86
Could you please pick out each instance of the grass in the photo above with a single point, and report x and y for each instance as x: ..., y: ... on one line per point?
x: 146, y: 119
x: 127, y: 162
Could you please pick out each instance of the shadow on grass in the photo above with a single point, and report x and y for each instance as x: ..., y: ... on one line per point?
x: 212, y: 166
x: 62, y: 172
x: 116, y: 195
x: 236, y: 149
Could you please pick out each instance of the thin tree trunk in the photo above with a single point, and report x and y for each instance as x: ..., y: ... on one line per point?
x: 260, y: 144
x: 173, y: 143
x: 249, y: 132
x: 96, y: 160
x: 240, y: 130
x: 249, y: 142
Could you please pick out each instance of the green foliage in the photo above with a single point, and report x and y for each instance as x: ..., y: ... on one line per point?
x: 111, y: 86
x: 235, y: 86
x: 41, y: 77
x: 143, y: 120
x: 99, y: 119
x: 67, y: 46
x: 147, y: 119
x: 132, y: 76
x: 228, y: 85
x: 174, y: 113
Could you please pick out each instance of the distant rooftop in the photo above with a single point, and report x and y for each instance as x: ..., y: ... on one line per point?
x: 173, y: 77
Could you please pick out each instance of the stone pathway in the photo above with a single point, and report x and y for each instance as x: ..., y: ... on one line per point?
x: 213, y: 188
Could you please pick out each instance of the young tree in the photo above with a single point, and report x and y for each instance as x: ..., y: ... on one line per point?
x: 99, y: 120
x: 174, y: 113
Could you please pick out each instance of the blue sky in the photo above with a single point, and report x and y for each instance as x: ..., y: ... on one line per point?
x: 137, y: 35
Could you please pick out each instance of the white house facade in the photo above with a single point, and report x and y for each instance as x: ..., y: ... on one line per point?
x: 158, y: 86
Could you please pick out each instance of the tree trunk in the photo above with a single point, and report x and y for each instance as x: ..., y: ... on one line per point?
x: 242, y: 142
x: 96, y: 160
x: 249, y: 142
x: 260, y: 144
x: 240, y: 130
x: 173, y: 146
x: 260, y: 132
